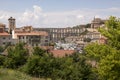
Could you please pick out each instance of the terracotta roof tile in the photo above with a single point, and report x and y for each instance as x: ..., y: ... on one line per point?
x: 4, y: 34
x: 47, y: 47
x: 61, y: 53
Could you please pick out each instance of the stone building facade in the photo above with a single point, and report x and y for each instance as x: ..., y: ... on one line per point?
x: 12, y: 24
x: 32, y: 38
x: 5, y: 39
x: 97, y: 23
x: 59, y: 34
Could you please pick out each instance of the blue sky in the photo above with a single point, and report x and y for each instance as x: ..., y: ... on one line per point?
x: 57, y: 13
x: 51, y: 5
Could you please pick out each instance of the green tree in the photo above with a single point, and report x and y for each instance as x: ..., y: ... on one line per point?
x: 88, y: 25
x: 87, y: 39
x: 107, y: 56
x: 97, y: 51
x: 1, y: 49
x: 39, y: 64
x: 109, y: 66
x: 72, y: 67
x: 39, y: 51
x: 112, y: 32
x: 17, y: 56
x: 2, y: 59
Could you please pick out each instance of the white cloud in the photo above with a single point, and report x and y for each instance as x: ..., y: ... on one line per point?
x: 37, y: 9
x: 38, y: 18
x: 80, y: 16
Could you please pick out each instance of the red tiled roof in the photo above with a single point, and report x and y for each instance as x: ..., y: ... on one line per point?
x: 32, y: 33
x: 61, y: 53
x: 47, y: 47
x: 4, y: 34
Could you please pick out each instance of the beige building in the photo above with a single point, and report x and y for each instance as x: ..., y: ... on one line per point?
x: 93, y: 35
x: 5, y: 39
x: 32, y: 38
x: 27, y: 28
x: 97, y: 23
x: 24, y: 34
x: 75, y: 39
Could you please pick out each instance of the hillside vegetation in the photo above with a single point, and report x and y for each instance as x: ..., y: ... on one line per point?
x: 9, y: 74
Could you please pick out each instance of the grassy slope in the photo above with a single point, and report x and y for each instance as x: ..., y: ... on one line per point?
x: 8, y: 74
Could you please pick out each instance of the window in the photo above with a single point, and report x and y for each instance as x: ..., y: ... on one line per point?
x: 3, y: 43
x: 36, y: 36
x: 36, y: 44
x: 46, y: 37
x: 3, y: 37
x: 32, y: 44
x: 19, y: 37
x: 46, y: 40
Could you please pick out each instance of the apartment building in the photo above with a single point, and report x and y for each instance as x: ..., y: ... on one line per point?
x: 24, y: 34
x: 5, y: 38
x: 32, y: 38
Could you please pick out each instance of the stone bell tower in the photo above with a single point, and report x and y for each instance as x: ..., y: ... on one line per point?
x: 12, y: 24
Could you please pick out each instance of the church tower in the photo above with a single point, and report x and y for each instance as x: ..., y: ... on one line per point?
x: 12, y: 24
